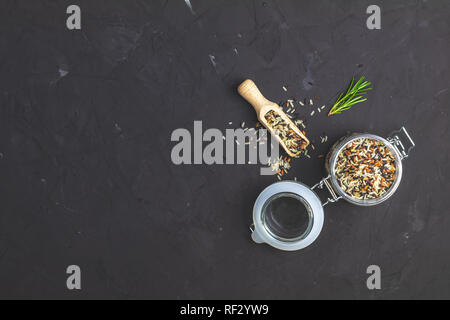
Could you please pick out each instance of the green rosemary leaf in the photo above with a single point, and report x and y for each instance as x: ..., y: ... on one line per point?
x: 352, y: 96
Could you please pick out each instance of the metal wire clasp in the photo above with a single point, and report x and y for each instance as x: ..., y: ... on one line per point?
x: 326, y: 182
x: 396, y: 141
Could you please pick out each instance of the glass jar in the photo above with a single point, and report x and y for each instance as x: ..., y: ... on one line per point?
x: 291, y: 237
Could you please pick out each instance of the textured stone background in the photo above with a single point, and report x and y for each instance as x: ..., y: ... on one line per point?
x: 85, y: 124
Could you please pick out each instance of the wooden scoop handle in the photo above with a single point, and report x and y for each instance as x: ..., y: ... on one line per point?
x: 250, y: 92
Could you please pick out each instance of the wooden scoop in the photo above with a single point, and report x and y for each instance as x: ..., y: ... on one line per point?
x: 250, y: 92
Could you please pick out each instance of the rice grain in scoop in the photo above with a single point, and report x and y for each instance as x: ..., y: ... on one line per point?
x: 292, y: 140
x: 365, y: 168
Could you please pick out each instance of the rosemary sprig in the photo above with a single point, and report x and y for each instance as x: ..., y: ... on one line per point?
x: 352, y: 96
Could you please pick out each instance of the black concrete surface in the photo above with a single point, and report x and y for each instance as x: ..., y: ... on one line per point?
x: 86, y: 176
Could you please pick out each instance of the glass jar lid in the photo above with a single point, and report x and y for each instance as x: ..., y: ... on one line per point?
x: 287, y: 215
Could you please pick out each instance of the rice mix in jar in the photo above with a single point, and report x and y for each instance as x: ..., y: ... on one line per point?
x: 365, y: 168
